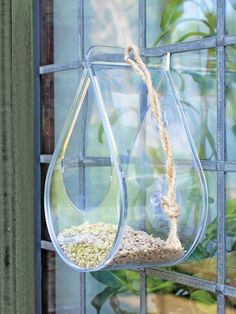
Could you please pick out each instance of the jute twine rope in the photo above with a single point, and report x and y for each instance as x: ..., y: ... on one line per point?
x: 169, y: 204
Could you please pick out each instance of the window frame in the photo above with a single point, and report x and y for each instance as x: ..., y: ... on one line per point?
x: 221, y: 166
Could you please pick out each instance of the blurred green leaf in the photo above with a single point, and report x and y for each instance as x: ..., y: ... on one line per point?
x: 166, y: 287
x: 100, y: 133
x: 100, y: 299
x: 211, y: 26
x: 191, y: 34
x: 233, y: 247
x: 132, y: 281
x: 199, y: 253
x: 211, y: 19
x: 113, y: 279
x: 202, y: 296
x: 159, y: 38
x: 231, y: 217
x: 115, y: 304
x: 171, y: 13
x: 205, y: 83
x: 211, y: 200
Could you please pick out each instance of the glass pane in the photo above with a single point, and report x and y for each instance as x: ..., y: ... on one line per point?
x: 177, y: 21
x: 113, y: 23
x: 230, y: 228
x: 67, y: 289
x: 230, y: 103
x: 230, y: 16
x: 202, y: 263
x: 60, y: 286
x: 231, y: 305
x: 195, y: 76
x: 59, y: 31
x: 57, y: 91
x: 123, y: 112
x: 112, y: 292
x: 164, y: 297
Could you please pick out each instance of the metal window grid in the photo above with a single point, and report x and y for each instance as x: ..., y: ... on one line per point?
x: 220, y: 165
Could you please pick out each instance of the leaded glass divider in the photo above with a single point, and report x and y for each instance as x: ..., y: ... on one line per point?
x: 218, y: 40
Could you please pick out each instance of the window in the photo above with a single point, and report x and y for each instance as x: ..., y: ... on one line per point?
x: 201, y: 38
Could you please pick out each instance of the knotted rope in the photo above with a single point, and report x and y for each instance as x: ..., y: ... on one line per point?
x: 169, y: 204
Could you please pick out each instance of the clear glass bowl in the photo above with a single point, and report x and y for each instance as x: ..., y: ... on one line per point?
x: 107, y: 177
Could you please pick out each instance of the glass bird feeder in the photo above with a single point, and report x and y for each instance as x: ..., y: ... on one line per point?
x: 108, y: 181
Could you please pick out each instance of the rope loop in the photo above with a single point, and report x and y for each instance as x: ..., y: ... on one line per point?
x: 169, y: 204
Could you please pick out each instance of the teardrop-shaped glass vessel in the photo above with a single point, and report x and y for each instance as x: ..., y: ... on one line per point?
x: 107, y: 177
x: 82, y: 179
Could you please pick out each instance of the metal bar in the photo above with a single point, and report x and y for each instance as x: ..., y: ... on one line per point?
x: 82, y: 279
x: 230, y: 40
x: 208, y: 165
x: 220, y: 304
x: 37, y: 174
x: 47, y: 245
x: 205, y: 43
x: 81, y: 29
x: 103, y: 60
x: 230, y: 166
x: 51, y: 68
x: 182, y: 279
x: 45, y: 159
x: 143, y: 292
x: 142, y: 23
x: 83, y: 113
x: 230, y: 291
x: 143, y: 107
x: 221, y: 211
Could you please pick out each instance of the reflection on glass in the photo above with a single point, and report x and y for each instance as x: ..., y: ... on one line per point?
x: 112, y: 292
x: 202, y: 263
x: 59, y: 31
x: 176, y: 21
x: 164, y: 297
x: 195, y: 76
x: 230, y: 16
x: 231, y: 305
x: 113, y: 23
x: 230, y: 103
x: 57, y: 91
x: 230, y: 228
